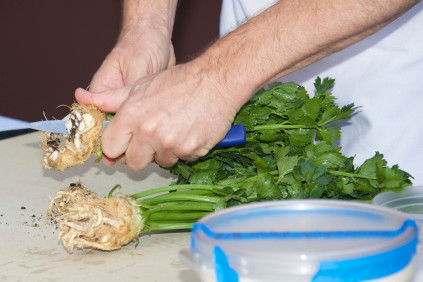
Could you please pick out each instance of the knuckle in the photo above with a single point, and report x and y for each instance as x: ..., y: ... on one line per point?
x: 130, y: 163
x: 107, y: 149
x: 193, y: 149
x: 194, y: 155
x: 169, y: 142
x: 202, y: 152
x: 130, y: 110
x: 187, y: 151
x: 165, y: 161
x: 147, y: 130
x: 135, y: 165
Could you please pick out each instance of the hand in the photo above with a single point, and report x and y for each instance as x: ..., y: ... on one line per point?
x: 180, y: 113
x: 141, y: 50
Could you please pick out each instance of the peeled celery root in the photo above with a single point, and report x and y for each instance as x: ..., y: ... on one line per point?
x: 89, y: 222
x: 84, y: 127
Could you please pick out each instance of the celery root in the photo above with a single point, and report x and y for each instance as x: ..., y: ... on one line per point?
x: 83, y: 126
x: 87, y: 221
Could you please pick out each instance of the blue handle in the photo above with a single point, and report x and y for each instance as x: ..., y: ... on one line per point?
x: 235, y: 136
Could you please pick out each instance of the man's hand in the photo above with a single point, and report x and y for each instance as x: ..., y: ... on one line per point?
x: 179, y: 113
x: 138, y: 53
x: 144, y: 46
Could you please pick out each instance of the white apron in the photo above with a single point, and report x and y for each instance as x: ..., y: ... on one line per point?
x: 383, y: 74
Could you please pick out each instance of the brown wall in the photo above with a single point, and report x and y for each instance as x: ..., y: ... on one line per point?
x: 48, y: 48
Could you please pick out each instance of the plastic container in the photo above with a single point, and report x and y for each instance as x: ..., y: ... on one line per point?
x: 409, y: 201
x: 303, y: 240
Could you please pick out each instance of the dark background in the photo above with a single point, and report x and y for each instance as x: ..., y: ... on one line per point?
x: 48, y: 48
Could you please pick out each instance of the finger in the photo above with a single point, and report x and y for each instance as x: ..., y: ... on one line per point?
x: 165, y: 159
x: 168, y: 158
x: 194, y: 145
x: 108, y: 76
x: 195, y: 156
x: 189, y: 149
x: 103, y: 80
x: 116, y: 137
x: 107, y: 101
x: 139, y: 155
x: 108, y: 161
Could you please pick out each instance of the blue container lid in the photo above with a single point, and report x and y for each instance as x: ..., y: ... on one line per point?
x: 320, y: 239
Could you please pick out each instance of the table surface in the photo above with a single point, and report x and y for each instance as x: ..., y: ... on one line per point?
x: 29, y: 249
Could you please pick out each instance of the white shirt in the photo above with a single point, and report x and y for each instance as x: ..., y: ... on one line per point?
x: 383, y: 74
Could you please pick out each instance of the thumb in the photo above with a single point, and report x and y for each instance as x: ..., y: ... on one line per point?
x: 107, y: 101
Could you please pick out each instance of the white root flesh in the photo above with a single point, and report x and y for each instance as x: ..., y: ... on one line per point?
x: 89, y: 222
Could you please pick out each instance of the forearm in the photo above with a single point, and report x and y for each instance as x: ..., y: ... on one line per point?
x: 148, y: 12
x: 290, y: 35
